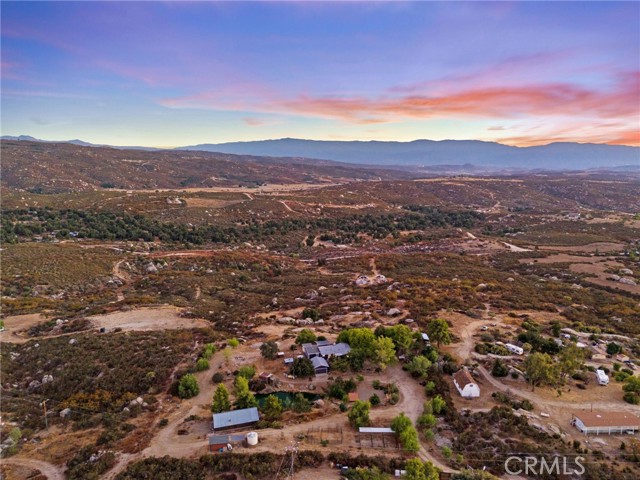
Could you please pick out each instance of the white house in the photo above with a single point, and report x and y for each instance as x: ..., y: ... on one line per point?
x: 465, y: 384
x: 603, y: 378
x: 514, y: 348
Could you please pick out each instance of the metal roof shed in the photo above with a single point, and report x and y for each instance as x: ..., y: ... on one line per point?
x: 235, y: 418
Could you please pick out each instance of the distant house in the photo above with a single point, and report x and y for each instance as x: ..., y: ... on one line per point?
x: 266, y: 377
x: 465, y: 384
x: 606, y: 422
x: 235, y: 418
x: 288, y: 361
x: 320, y: 365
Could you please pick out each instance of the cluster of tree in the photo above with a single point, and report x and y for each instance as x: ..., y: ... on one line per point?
x: 543, y: 369
x: 403, y: 337
x: 25, y: 223
x: 365, y: 345
x: 269, y: 350
x: 406, y: 432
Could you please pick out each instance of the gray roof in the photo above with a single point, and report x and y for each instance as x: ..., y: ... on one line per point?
x: 310, y: 349
x: 220, y: 439
x: 319, y: 362
x: 322, y: 343
x: 339, y: 349
x: 375, y: 430
x: 235, y: 417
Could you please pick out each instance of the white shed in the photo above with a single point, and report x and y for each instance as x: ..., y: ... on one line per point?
x: 465, y: 384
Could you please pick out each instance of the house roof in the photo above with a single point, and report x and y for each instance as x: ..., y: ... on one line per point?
x: 310, y: 348
x: 338, y: 349
x: 235, y: 417
x: 463, y: 377
x: 319, y: 362
x: 425, y: 337
x: 266, y: 375
x: 608, y: 419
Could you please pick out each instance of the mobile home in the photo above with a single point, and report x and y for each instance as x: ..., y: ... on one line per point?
x: 514, y: 348
x: 603, y: 378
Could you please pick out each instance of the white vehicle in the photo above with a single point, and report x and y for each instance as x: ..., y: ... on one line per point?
x: 514, y: 348
x: 603, y: 378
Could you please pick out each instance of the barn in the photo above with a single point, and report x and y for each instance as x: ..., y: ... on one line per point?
x: 235, y: 418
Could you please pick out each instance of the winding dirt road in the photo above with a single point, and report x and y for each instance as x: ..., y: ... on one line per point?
x: 52, y: 472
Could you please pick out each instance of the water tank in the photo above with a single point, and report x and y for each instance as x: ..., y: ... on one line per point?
x: 252, y: 438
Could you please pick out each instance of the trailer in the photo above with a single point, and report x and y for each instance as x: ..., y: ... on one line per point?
x: 603, y: 378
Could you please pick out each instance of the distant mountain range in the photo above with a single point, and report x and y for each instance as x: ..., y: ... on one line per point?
x: 28, y: 138
x: 427, y: 153
x: 555, y: 156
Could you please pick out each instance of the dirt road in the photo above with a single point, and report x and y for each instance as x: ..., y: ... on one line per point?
x: 52, y: 472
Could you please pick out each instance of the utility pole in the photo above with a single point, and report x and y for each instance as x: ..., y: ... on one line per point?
x: 44, y: 409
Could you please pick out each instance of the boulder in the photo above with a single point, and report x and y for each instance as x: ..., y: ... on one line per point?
x: 47, y: 379
x: 392, y: 312
x: 151, y: 268
x: 627, y: 281
x: 65, y: 413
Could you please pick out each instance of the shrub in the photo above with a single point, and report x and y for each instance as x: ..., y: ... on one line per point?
x: 188, y: 386
x: 217, y: 377
x: 233, y: 342
x: 499, y: 369
x: 269, y: 350
x: 202, y: 364
x: 374, y: 400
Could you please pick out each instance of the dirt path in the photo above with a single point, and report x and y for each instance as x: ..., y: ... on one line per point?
x: 286, y: 206
x: 551, y: 405
x: 374, y: 267
x: 52, y: 472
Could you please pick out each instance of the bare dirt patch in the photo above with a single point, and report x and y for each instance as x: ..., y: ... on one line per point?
x: 589, y: 248
x: 17, y: 325
x: 145, y: 319
x: 211, y: 202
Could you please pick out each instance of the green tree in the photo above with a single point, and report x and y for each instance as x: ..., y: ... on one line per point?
x: 305, y: 336
x: 221, y: 402
x: 233, y: 342
x: 419, y: 470
x: 359, y: 414
x: 438, y: 404
x: 302, y: 367
x: 272, y: 408
x: 499, y: 368
x: 400, y: 423
x: 540, y: 370
x: 613, y: 348
x: 409, y: 439
x: 385, y: 353
x: 438, y: 331
x: 311, y: 313
x: 247, y: 371
x: 244, y: 397
x: 188, y: 386
x: 401, y: 335
x: 269, y: 350
x: 570, y: 359
x: 419, y: 366
x: 631, y: 390
x: 300, y: 404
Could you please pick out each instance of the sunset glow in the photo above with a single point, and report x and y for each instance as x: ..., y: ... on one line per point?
x: 178, y: 73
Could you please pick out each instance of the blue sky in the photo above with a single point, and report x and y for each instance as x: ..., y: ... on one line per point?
x: 179, y: 73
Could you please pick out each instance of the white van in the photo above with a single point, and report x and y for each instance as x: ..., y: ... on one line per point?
x: 603, y: 378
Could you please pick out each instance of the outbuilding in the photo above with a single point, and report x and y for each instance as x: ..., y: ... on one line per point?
x: 235, y: 418
x: 320, y: 365
x: 465, y: 384
x: 611, y: 423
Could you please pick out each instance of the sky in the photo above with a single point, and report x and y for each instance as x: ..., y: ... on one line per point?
x: 181, y: 73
